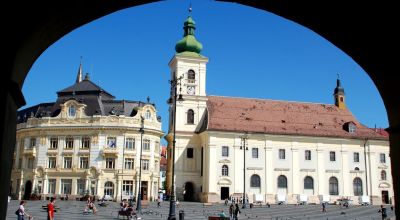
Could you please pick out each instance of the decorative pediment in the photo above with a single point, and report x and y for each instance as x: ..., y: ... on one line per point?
x: 382, y: 166
x: 384, y: 185
x: 224, y: 181
x: 282, y: 169
x: 307, y: 170
x: 332, y: 171
x: 224, y: 161
x: 254, y: 168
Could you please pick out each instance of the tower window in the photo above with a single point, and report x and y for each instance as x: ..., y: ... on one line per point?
x: 191, y: 76
x: 190, y: 116
x: 189, y: 153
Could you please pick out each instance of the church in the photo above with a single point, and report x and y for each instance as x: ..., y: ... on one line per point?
x: 268, y: 150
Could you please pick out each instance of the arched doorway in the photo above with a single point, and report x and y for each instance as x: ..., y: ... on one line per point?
x: 188, y: 193
x: 28, y: 189
x: 109, y: 190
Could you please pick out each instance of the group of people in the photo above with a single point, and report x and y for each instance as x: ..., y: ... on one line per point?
x: 234, y: 211
x: 21, y: 213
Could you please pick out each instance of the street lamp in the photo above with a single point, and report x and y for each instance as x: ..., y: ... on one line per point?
x: 139, y: 200
x: 172, y: 100
x: 244, y: 139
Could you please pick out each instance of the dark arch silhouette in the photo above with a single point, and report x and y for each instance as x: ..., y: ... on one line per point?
x: 189, y: 192
x: 32, y: 26
x: 27, y: 190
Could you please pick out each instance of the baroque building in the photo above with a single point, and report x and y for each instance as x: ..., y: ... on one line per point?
x: 86, y: 142
x: 273, y: 151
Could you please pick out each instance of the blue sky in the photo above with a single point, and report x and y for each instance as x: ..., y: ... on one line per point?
x: 252, y: 53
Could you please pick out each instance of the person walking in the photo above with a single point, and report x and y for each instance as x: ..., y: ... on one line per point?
x: 323, y: 207
x: 236, y: 212
x: 382, y: 210
x: 50, y: 209
x: 231, y: 211
x: 21, y: 211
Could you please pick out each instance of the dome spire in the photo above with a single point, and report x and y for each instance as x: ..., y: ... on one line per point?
x: 188, y: 45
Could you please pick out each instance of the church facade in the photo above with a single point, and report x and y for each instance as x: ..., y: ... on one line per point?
x: 271, y: 151
x: 87, y: 143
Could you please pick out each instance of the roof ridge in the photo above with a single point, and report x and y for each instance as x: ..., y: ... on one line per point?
x: 277, y: 100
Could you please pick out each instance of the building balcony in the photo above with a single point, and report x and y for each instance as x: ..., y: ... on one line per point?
x: 110, y: 152
x: 30, y: 152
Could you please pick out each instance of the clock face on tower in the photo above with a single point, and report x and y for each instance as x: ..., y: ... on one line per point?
x: 190, y: 90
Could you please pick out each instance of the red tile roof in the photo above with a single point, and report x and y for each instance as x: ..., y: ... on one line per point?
x: 283, y: 117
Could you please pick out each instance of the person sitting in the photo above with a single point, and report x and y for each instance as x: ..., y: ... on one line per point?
x: 90, y: 205
x: 222, y: 214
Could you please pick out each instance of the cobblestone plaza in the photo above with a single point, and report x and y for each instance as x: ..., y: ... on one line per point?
x: 72, y: 210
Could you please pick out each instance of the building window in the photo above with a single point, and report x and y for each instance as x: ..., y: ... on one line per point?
x: 52, y: 162
x: 80, y: 186
x: 157, y: 147
x: 69, y: 142
x: 357, y: 186
x: 145, y: 165
x: 110, y: 163
x: 332, y: 156
x: 282, y: 181
x: 333, y: 186
x: 282, y: 155
x: 30, y: 163
x: 93, y: 187
x: 129, y: 163
x: 255, y: 181
x: 53, y: 143
x: 156, y: 166
x: 190, y: 117
x: 225, y: 151
x: 225, y: 170
x: 383, y: 175
x: 130, y: 143
x: 147, y: 115
x: 146, y: 144
x: 308, y: 182
x: 86, y: 142
x: 52, y: 186
x: 32, y: 143
x: 254, y: 152
x: 307, y: 155
x: 352, y: 128
x: 382, y: 158
x: 356, y: 157
x: 111, y: 142
x: 67, y: 162
x: 84, y: 163
x: 191, y: 76
x: 19, y: 163
x: 127, y: 187
x: 189, y: 152
x: 66, y: 186
x: 71, y: 111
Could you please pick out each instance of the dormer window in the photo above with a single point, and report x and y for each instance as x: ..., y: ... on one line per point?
x: 72, y: 111
x: 147, y: 115
x: 350, y: 127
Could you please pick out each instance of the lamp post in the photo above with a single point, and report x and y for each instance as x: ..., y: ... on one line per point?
x: 139, y: 200
x: 244, y: 139
x: 172, y: 100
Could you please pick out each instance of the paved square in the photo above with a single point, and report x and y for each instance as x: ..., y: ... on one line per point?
x: 73, y: 210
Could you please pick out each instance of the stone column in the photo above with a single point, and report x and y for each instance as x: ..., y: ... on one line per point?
x: 346, y: 181
x: 321, y: 172
x: 295, y: 171
x: 45, y: 185
x: 212, y: 181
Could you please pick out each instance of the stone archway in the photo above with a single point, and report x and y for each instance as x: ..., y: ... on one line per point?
x: 28, y: 190
x: 188, y: 192
x: 35, y: 25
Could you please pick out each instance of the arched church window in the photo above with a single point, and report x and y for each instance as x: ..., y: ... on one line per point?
x: 255, y: 181
x: 190, y: 116
x: 333, y: 186
x: 282, y: 181
x: 71, y: 111
x: 308, y: 183
x: 357, y: 186
x: 383, y: 175
x: 225, y: 170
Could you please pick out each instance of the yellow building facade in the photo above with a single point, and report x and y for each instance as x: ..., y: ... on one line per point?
x: 87, y: 143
